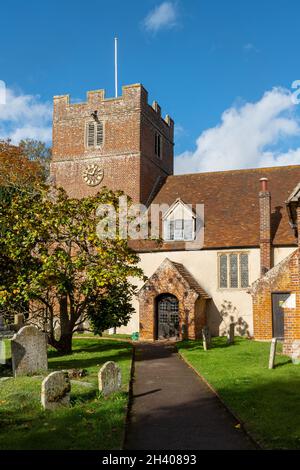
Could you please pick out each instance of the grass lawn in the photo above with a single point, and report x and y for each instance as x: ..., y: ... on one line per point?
x: 104, y: 335
x: 266, y: 401
x: 91, y: 422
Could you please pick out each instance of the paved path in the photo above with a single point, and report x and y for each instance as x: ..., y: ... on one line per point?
x: 173, y: 408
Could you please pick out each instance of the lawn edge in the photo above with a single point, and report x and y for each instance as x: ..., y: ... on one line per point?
x: 233, y: 413
x: 129, y: 399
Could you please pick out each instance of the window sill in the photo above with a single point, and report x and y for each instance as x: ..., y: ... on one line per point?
x: 179, y: 241
x: 232, y: 289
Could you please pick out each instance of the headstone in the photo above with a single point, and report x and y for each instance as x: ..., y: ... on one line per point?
x: 109, y: 378
x: 56, y: 388
x: 230, y: 334
x: 272, y: 353
x: 18, y: 320
x: 2, y: 352
x: 206, y: 338
x: 29, y: 351
x: 296, y: 352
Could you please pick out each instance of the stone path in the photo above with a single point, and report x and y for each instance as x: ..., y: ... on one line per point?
x: 173, y: 408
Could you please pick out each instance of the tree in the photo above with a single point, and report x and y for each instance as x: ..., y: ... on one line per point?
x: 17, y: 171
x: 37, y: 151
x: 57, y: 263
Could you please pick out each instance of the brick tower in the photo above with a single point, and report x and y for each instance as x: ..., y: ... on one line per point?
x: 122, y: 143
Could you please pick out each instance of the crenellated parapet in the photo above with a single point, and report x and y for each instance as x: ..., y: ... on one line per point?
x: 132, y: 95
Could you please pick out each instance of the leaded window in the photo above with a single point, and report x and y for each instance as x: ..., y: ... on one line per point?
x: 234, y: 274
x: 223, y: 271
x: 244, y: 262
x: 233, y: 270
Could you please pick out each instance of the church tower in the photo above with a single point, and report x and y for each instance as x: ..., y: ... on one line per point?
x: 122, y: 143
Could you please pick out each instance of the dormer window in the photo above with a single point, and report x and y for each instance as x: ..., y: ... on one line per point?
x: 179, y: 223
x: 94, y: 134
x: 157, y: 145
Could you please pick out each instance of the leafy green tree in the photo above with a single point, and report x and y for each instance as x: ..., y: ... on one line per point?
x: 56, y: 262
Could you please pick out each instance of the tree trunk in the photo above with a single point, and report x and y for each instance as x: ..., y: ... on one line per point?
x: 64, y: 344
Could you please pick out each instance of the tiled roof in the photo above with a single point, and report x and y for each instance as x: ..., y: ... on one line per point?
x: 231, y: 204
x: 183, y: 273
x: 190, y: 280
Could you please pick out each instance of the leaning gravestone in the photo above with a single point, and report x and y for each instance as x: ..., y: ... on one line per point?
x: 206, y: 337
x: 110, y: 378
x: 29, y: 351
x: 56, y: 389
x: 296, y: 352
x: 272, y: 353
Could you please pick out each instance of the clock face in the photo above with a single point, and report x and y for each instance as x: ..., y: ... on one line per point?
x: 93, y: 175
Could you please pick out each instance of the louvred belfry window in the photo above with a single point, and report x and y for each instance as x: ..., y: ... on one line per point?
x: 94, y: 134
x: 90, y: 136
x: 99, y: 136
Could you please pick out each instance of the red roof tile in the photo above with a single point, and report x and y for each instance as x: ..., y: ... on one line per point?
x: 231, y: 206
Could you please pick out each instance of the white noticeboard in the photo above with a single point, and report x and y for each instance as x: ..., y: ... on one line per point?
x: 290, y: 302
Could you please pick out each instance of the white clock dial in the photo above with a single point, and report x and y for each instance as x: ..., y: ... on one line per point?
x: 93, y: 175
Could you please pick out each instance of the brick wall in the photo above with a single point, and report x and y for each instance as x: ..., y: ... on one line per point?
x: 298, y: 224
x: 127, y: 155
x: 282, y: 278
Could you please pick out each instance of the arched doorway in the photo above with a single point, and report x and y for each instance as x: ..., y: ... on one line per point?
x: 167, y: 317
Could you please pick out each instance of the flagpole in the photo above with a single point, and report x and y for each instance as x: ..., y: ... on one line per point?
x: 116, y: 67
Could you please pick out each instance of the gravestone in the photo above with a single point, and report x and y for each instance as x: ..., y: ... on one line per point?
x: 109, y: 378
x: 272, y: 353
x: 230, y: 334
x: 18, y: 320
x: 206, y: 337
x: 295, y: 355
x: 29, y: 351
x: 56, y: 389
x: 2, y: 352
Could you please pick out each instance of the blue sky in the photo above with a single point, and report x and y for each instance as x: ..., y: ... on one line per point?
x: 198, y: 58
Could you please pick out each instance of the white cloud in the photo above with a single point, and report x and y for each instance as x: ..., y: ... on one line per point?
x: 25, y: 116
x: 163, y: 16
x: 249, y: 136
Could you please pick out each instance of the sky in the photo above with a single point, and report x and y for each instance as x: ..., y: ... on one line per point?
x: 224, y: 71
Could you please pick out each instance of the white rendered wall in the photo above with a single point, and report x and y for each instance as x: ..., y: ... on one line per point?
x: 203, y: 265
